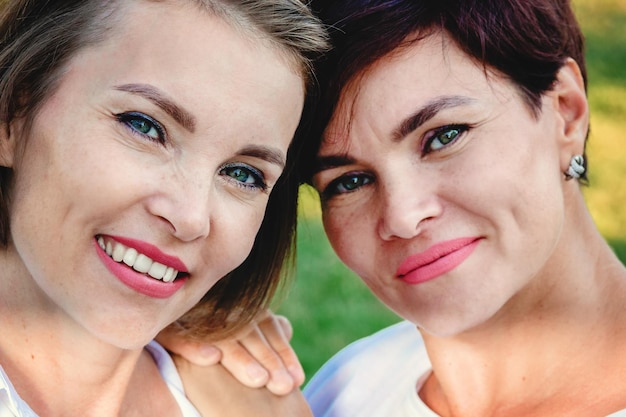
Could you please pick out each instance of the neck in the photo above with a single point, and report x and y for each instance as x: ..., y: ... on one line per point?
x: 554, y: 349
x: 56, y: 365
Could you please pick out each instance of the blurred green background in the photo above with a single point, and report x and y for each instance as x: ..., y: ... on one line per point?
x: 329, y: 306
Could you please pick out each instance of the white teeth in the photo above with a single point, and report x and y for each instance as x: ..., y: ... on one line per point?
x: 170, y: 274
x: 118, y: 252
x: 130, y: 257
x: 138, y: 261
x: 142, y: 263
x: 157, y: 270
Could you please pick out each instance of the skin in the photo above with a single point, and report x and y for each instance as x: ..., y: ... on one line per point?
x: 257, y: 356
x: 540, y: 264
x: 216, y: 392
x: 398, y: 194
x: 86, y: 167
x: 531, y: 323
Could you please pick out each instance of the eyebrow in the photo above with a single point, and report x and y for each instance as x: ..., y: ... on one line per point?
x: 406, y: 127
x: 149, y: 92
x: 332, y: 161
x: 427, y: 112
x: 263, y: 152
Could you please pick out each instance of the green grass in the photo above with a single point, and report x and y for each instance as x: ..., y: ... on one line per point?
x: 603, y: 22
x: 330, y: 307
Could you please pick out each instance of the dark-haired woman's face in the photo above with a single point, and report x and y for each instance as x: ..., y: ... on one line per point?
x: 145, y: 177
x: 439, y: 187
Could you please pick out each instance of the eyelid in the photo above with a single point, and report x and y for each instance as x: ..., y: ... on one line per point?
x: 260, y: 176
x: 330, y: 191
x: 432, y: 134
x: 126, y: 117
x: 256, y: 171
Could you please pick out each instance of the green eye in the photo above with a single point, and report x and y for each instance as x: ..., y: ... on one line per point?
x: 347, y: 184
x: 241, y: 175
x: 351, y: 183
x: 444, y: 138
x: 245, y: 176
x: 143, y: 125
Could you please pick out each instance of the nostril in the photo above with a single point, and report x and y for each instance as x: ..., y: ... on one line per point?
x: 183, y: 216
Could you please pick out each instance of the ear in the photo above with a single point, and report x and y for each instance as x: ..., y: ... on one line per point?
x: 7, y: 145
x: 570, y: 100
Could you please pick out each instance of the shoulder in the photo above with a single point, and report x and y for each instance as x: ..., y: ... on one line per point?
x: 169, y: 373
x: 621, y: 413
x: 382, y: 359
x: 214, y: 391
x: 11, y: 404
x: 388, y: 346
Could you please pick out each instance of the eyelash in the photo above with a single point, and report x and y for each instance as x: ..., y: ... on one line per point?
x: 436, y: 134
x: 249, y: 172
x: 362, y: 179
x: 130, y: 118
x: 332, y: 189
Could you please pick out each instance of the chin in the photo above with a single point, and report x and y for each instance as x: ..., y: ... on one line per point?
x: 125, y: 337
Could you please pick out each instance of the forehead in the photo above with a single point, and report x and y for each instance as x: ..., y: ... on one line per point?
x: 407, y: 79
x: 198, y: 58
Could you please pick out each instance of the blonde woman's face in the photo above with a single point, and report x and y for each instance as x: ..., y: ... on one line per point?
x: 158, y: 150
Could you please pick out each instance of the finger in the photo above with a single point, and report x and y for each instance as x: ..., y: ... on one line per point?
x: 278, y: 332
x: 285, y: 325
x: 242, y: 365
x: 196, y: 352
x: 269, y: 345
x: 280, y: 381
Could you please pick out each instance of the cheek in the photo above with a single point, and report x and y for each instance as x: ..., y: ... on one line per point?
x: 35, y: 196
x: 234, y: 235
x: 347, y: 234
x: 227, y: 247
x: 335, y: 233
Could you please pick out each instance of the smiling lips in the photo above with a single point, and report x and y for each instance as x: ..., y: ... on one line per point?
x: 153, y: 273
x: 436, y: 260
x: 138, y: 261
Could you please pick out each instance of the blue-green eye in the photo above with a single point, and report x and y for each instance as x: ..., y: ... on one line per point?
x: 245, y: 176
x: 143, y: 125
x: 444, y: 136
x: 346, y: 184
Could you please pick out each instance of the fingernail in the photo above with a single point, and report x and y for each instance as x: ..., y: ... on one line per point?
x: 208, y: 351
x: 297, y: 374
x: 281, y: 382
x: 256, y: 372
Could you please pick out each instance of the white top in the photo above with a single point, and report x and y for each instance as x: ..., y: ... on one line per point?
x: 377, y: 376
x: 11, y: 405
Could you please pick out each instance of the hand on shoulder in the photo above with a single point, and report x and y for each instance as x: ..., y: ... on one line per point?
x: 215, y: 392
x: 259, y: 355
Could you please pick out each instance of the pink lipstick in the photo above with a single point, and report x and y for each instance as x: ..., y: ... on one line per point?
x: 141, y: 282
x: 152, y: 252
x: 437, y: 260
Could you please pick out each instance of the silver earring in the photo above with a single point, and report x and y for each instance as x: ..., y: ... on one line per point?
x: 576, y: 167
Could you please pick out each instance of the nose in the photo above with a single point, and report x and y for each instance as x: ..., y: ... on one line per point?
x: 405, y: 206
x: 185, y: 205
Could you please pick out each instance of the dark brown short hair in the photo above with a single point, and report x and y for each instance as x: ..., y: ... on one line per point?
x: 527, y: 41
x: 38, y: 38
